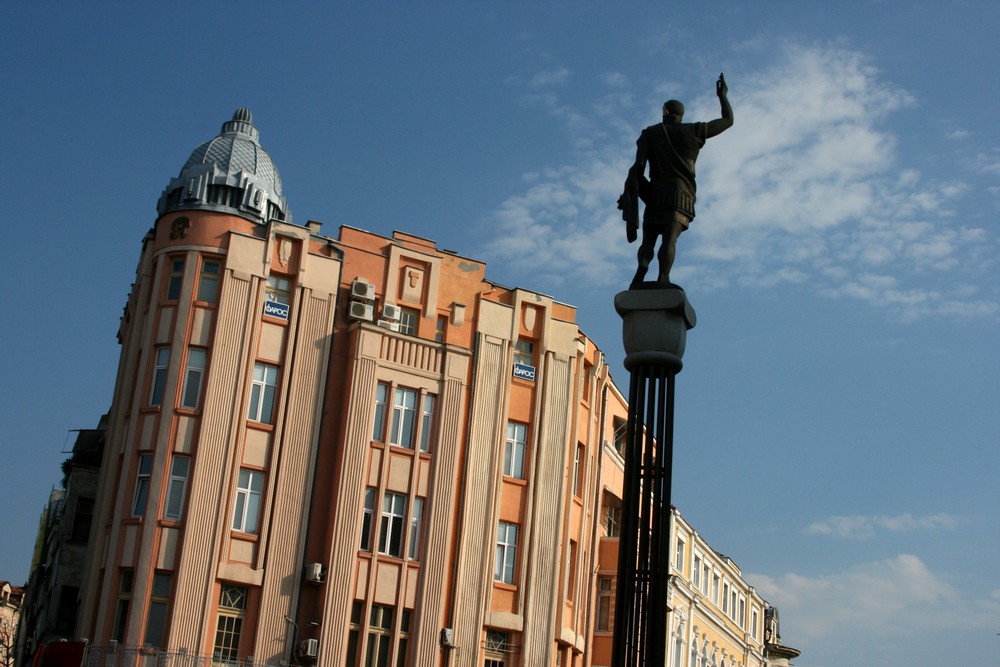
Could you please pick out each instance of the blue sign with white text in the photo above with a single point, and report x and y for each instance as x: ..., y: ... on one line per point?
x: 524, y: 372
x: 275, y: 309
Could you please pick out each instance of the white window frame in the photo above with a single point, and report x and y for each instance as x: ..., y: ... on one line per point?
x: 180, y: 467
x: 403, y: 425
x: 368, y: 519
x: 161, y: 364
x: 427, y: 421
x: 381, y: 406
x: 279, y: 289
x: 390, y: 536
x: 246, y: 507
x: 263, y: 393
x: 143, y: 472
x: 194, y: 374
x: 506, y: 553
x: 416, y: 522
x: 514, y: 450
x: 409, y: 319
x: 679, y: 555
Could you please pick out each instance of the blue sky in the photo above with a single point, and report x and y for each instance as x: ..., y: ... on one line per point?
x: 837, y: 431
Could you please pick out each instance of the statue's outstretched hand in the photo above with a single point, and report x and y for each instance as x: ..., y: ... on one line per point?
x: 721, y: 89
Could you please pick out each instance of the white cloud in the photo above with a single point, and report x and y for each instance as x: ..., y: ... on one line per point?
x: 881, y: 609
x: 805, y: 190
x: 855, y: 527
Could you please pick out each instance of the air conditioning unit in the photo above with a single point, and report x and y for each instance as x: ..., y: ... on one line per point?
x: 362, y: 290
x: 386, y: 324
x: 313, y: 573
x: 309, y: 648
x: 391, y: 312
x: 447, y: 637
x: 357, y: 310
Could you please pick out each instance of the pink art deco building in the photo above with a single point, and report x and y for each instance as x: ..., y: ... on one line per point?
x: 345, y: 451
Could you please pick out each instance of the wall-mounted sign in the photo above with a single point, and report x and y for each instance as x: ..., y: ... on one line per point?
x: 275, y: 309
x: 524, y: 372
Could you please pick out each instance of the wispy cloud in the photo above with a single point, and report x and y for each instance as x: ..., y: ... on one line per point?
x: 805, y: 190
x: 860, y: 527
x: 875, y: 605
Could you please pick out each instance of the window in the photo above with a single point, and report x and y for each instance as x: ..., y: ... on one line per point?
x: 404, y: 411
x: 159, y: 375
x: 66, y: 611
x: 732, y: 604
x: 427, y: 423
x: 141, y: 495
x: 678, y: 651
x: 513, y: 453
x: 82, y: 519
x: 279, y: 290
x: 440, y: 328
x: 524, y: 352
x: 725, y: 597
x: 570, y: 586
x: 379, y: 636
x: 612, y: 515
x: 416, y: 518
x: 679, y: 555
x: 754, y: 621
x: 247, y: 510
x: 506, y: 553
x: 696, y: 571
x: 741, y: 615
x: 497, y: 648
x: 408, y: 319
x: 390, y: 537
x: 175, y: 279
x: 354, y: 634
x: 193, y: 374
x: 121, y: 611
x: 715, y: 588
x: 604, y: 600
x: 176, y: 487
x: 229, y: 627
x: 381, y: 397
x: 367, y: 519
x: 705, y: 574
x: 402, y: 650
x: 579, y: 470
x: 208, y: 281
x: 156, y: 619
x: 621, y: 429
x: 262, y: 390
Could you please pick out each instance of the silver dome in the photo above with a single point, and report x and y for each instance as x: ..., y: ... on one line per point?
x: 232, y: 173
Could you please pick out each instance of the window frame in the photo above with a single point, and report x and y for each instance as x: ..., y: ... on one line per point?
x: 191, y: 393
x: 231, y: 612
x: 263, y: 393
x: 177, y: 487
x: 161, y: 367
x: 409, y: 321
x: 248, y: 501
x: 209, y: 281
x: 392, y: 525
x: 505, y: 559
x: 175, y: 278
x: 143, y: 475
x: 515, y: 450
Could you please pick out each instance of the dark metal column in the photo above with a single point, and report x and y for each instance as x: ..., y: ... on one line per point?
x: 655, y: 326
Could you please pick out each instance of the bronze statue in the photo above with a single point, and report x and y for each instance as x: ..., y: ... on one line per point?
x: 671, y: 149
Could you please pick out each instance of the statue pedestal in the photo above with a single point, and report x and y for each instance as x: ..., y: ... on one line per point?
x: 655, y: 324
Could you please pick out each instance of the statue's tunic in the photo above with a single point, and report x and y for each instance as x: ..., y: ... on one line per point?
x: 671, y: 150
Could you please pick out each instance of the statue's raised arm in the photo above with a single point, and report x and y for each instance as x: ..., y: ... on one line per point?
x: 670, y: 150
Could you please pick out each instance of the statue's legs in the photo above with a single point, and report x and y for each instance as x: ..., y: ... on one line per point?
x: 668, y: 249
x: 645, y: 255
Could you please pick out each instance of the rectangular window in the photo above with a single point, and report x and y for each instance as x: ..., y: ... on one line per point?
x: 229, y: 627
x: 408, y: 319
x: 175, y: 279
x: 368, y: 520
x: 440, y: 328
x: 262, y: 391
x: 613, y: 520
x: 579, y: 470
x: 390, y: 537
x: 82, y: 519
x: 381, y: 398
x: 156, y: 619
x: 513, y: 452
x: 416, y: 518
x: 621, y: 429
x: 524, y: 352
x: 741, y: 615
x: 705, y: 574
x: 402, y: 649
x: 497, y: 648
x: 208, y: 281
x: 176, y: 487
x: 571, y: 572
x: 141, y: 495
x: 715, y: 589
x: 193, y: 375
x: 121, y: 611
x: 725, y: 597
x: 754, y: 620
x: 427, y: 423
x: 354, y: 634
x: 506, y: 553
x: 379, y: 636
x: 279, y: 290
x: 732, y: 605
x: 159, y: 375
x: 696, y: 571
x: 679, y: 556
x: 604, y: 600
x: 404, y: 414
x: 247, y: 507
